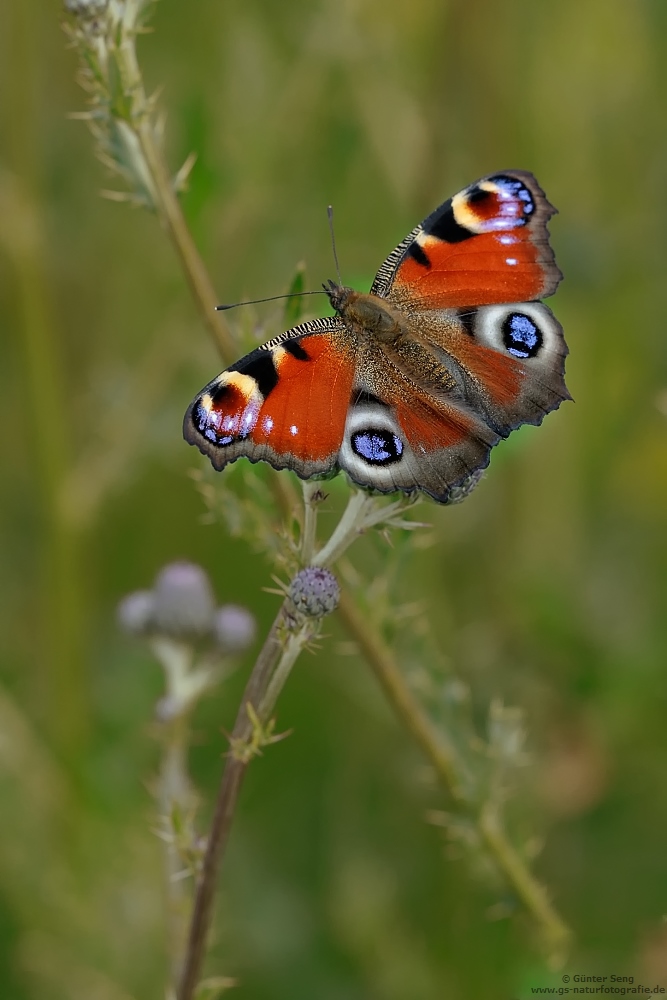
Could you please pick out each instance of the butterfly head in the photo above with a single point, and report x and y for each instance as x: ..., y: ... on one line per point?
x: 338, y: 295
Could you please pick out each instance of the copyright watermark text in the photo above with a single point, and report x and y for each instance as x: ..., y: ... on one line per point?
x: 611, y: 985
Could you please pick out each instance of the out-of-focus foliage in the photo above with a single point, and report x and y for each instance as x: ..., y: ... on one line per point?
x: 547, y: 588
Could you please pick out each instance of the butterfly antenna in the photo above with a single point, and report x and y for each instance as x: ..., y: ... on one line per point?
x: 333, y: 242
x: 271, y: 298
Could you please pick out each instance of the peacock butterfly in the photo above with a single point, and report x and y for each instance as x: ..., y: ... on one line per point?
x: 408, y: 387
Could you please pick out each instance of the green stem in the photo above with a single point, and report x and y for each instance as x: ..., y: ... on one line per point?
x: 556, y: 935
x: 347, y: 529
x: 175, y: 795
x: 280, y: 652
x: 448, y: 764
x: 455, y: 776
x: 311, y: 493
x: 292, y: 648
x: 172, y: 217
x: 230, y: 786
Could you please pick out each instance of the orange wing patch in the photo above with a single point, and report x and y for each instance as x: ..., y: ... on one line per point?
x: 428, y: 428
x: 489, y: 269
x: 498, y: 374
x: 304, y: 414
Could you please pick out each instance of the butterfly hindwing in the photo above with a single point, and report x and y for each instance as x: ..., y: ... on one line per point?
x: 488, y: 244
x: 507, y: 361
x: 408, y: 427
x: 412, y: 441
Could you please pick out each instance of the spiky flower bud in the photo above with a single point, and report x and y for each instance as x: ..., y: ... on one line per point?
x: 234, y: 628
x: 86, y: 8
x: 184, y: 605
x: 315, y: 592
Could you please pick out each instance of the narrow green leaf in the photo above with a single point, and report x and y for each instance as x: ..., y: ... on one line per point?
x: 294, y: 304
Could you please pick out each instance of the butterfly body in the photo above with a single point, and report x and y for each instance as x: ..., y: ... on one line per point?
x: 368, y: 316
x: 409, y: 386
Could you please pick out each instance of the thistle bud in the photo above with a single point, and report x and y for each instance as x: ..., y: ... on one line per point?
x: 315, y: 592
x: 86, y: 8
x: 184, y: 605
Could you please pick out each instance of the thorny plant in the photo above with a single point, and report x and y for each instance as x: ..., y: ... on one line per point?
x: 475, y: 773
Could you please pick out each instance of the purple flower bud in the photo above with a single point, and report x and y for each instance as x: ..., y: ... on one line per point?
x: 86, y: 8
x: 315, y: 592
x: 184, y: 605
x: 234, y: 628
x: 135, y: 612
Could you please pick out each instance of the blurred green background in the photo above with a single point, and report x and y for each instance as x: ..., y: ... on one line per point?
x: 547, y: 588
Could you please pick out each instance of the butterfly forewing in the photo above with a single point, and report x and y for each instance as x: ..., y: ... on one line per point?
x: 487, y: 244
x: 285, y: 403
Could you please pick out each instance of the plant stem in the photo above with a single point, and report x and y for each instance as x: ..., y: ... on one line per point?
x: 175, y: 794
x: 311, y: 493
x: 454, y: 776
x: 201, y: 917
x: 450, y: 768
x: 175, y: 797
x: 278, y: 655
x: 346, y: 530
x: 556, y: 935
x: 269, y: 674
x: 172, y: 217
x: 293, y: 647
x: 109, y: 58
